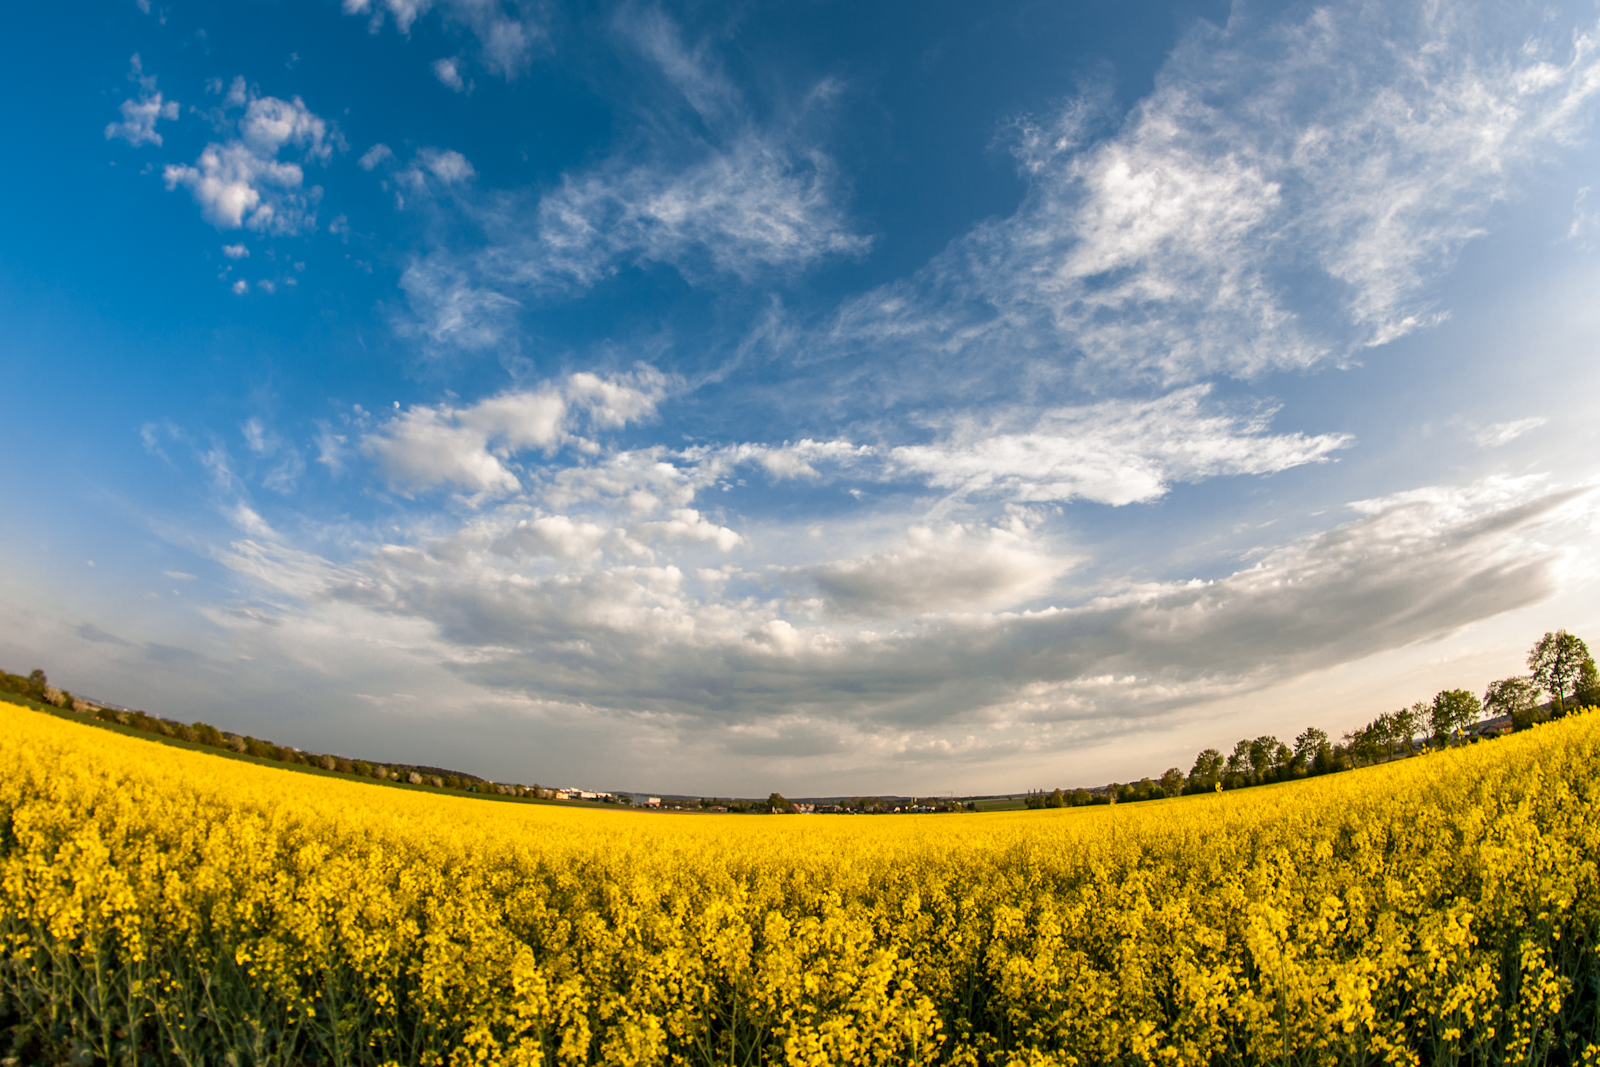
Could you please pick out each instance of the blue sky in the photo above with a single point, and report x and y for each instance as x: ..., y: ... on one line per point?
x: 819, y: 397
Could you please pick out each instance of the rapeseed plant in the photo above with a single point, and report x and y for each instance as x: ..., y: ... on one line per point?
x: 161, y: 906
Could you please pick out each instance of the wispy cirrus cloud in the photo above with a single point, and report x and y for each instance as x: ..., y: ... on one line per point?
x: 714, y: 193
x: 1117, y: 452
x: 1503, y: 433
x: 1287, y: 196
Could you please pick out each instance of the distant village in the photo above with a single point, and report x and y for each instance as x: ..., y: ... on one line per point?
x: 775, y: 804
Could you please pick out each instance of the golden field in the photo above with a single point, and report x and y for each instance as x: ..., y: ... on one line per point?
x: 165, y: 906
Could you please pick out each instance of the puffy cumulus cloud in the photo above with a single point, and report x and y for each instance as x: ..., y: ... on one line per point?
x: 427, y: 446
x: 1285, y: 196
x: 557, y: 536
x: 644, y: 481
x: 377, y: 154
x: 687, y: 524
x: 139, y: 117
x: 447, y: 70
x: 472, y: 448
x: 544, y: 606
x: 954, y: 568
x: 432, y: 169
x: 506, y: 33
x: 270, y: 124
x: 242, y: 182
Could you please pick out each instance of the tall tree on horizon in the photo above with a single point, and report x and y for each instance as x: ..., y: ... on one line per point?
x: 1558, y: 661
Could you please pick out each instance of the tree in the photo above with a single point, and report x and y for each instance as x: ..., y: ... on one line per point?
x: 1454, y: 710
x: 1516, y: 697
x: 1207, y: 769
x: 1557, y: 661
x: 1239, y: 759
x: 1172, y: 782
x: 1361, y: 745
x: 1409, y: 722
x: 1439, y: 721
x: 1311, y: 743
x: 1385, y: 733
x: 1587, y: 692
x: 1261, y: 752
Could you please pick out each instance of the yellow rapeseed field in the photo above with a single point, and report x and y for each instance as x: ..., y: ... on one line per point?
x: 165, y: 906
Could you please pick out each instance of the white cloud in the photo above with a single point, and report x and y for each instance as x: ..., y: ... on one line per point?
x: 620, y: 399
x: 258, y: 438
x: 750, y: 208
x: 720, y: 195
x: 240, y: 287
x: 236, y: 251
x: 427, y: 447
x: 242, y: 182
x: 447, y: 165
x: 687, y: 524
x: 597, y: 632
x: 554, y: 535
x: 448, y: 73
x: 375, y: 155
x: 506, y: 33
x: 269, y: 124
x: 432, y: 170
x: 450, y: 310
x: 472, y: 448
x: 800, y: 459
x: 957, y: 567
x: 1115, y: 452
x: 1502, y: 433
x: 643, y: 482
x: 139, y: 117
x: 1250, y: 214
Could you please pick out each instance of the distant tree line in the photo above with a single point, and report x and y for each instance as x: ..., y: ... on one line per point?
x: 1559, y: 665
x: 36, y: 687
